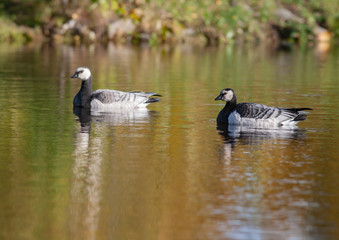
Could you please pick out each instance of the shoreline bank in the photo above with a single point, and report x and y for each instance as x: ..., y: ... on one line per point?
x: 160, y: 22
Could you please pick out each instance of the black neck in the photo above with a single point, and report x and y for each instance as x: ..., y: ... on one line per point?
x: 222, y: 118
x: 231, y: 104
x: 86, y: 92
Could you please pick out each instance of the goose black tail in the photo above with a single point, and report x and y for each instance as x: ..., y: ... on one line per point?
x: 297, y: 109
x: 300, y: 111
x: 300, y: 117
x: 152, y: 100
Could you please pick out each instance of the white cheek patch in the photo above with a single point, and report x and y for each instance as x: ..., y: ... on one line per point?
x: 229, y: 96
x: 85, y: 74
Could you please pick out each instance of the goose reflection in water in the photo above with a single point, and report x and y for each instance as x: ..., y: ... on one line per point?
x: 86, y: 189
x: 243, y: 135
x: 118, y: 117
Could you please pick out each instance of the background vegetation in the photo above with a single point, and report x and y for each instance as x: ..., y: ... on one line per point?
x: 158, y: 21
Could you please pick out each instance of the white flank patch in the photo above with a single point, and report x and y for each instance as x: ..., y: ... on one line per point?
x: 98, y: 106
x: 235, y: 119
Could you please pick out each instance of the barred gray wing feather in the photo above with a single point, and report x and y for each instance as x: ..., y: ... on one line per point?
x: 260, y: 111
x: 106, y: 96
x: 113, y: 96
x: 148, y: 94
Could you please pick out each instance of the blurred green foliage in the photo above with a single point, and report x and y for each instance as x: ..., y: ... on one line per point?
x: 25, y: 12
x: 216, y: 20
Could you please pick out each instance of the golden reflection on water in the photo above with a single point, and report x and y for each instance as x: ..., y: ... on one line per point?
x: 86, y: 186
x: 166, y: 173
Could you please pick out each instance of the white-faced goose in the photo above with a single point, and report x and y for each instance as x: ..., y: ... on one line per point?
x: 256, y: 115
x: 104, y: 100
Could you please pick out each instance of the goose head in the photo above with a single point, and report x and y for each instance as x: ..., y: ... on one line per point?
x: 226, y: 95
x: 83, y: 73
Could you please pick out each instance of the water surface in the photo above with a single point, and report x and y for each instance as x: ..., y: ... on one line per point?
x: 167, y: 173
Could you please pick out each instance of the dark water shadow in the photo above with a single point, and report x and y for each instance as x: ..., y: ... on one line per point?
x: 234, y: 136
x: 244, y: 132
x: 84, y: 117
x: 118, y: 117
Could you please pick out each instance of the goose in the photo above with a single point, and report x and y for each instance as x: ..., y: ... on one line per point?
x: 104, y: 100
x: 255, y: 114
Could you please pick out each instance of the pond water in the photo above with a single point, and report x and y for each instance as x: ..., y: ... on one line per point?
x: 167, y: 173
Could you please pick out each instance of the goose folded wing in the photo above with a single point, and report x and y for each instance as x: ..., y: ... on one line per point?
x: 260, y: 111
x: 112, y: 96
